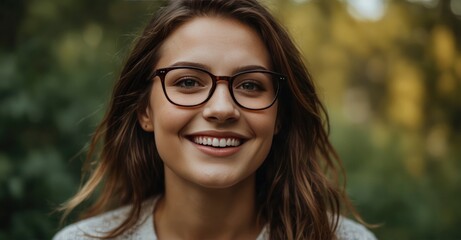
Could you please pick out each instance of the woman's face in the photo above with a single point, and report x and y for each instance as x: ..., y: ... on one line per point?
x: 222, y: 46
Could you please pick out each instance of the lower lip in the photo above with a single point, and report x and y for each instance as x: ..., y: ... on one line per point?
x: 217, y: 152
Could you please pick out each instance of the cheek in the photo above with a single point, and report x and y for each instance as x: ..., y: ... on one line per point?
x: 168, y: 124
x: 162, y: 111
x: 168, y: 119
x: 264, y: 126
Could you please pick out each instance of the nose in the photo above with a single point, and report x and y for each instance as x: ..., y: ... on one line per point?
x: 221, y: 107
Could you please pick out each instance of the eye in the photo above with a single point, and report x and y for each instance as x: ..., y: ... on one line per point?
x: 250, y: 86
x: 187, y: 82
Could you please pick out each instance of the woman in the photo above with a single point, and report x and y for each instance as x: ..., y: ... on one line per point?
x: 214, y: 131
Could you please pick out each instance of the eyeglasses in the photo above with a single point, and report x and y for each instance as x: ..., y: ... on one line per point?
x: 189, y: 86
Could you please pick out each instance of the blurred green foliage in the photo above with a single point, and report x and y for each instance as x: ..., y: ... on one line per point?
x: 392, y: 86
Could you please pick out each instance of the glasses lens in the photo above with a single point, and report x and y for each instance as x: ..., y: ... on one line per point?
x: 187, y: 87
x: 255, y: 90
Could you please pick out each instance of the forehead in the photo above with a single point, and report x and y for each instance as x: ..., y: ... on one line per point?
x: 214, y: 42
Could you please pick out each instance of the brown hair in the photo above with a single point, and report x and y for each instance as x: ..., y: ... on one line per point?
x: 298, y: 186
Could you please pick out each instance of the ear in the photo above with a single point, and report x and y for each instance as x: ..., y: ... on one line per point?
x: 145, y: 119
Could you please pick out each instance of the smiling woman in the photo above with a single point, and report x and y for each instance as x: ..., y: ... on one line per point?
x: 214, y: 131
x: 223, y: 46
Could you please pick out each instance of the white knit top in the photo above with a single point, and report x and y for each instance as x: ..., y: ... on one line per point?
x: 99, y: 225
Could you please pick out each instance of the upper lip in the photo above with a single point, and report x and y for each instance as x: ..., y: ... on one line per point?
x: 218, y: 134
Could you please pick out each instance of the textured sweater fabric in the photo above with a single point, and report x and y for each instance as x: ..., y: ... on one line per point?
x: 98, y: 226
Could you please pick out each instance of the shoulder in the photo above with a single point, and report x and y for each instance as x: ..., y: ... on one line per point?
x: 98, y: 226
x: 95, y: 227
x: 351, y: 230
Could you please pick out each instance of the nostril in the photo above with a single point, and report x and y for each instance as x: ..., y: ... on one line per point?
x: 221, y: 116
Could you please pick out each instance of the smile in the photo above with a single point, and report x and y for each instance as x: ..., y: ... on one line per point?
x: 216, y: 142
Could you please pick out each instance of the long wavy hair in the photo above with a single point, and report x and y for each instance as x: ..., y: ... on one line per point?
x: 299, y: 187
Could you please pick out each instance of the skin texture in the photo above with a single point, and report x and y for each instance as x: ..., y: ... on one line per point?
x: 209, y: 192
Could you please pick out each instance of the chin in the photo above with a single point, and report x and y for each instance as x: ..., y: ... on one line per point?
x: 220, y: 181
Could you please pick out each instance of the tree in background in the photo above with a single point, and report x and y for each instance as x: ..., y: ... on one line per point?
x: 393, y: 87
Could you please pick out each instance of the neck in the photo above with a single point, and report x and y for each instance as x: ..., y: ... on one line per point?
x: 195, y: 212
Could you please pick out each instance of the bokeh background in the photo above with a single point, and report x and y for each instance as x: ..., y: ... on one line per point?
x: 389, y: 72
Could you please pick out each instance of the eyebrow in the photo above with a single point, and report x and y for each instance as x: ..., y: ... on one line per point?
x: 203, y: 66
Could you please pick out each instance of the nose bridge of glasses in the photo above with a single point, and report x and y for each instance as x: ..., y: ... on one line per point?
x: 223, y: 78
x: 218, y: 79
x: 221, y: 93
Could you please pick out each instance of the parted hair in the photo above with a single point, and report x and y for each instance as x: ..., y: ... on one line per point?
x: 300, y: 185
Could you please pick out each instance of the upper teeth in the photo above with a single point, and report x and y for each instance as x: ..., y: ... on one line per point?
x: 217, y: 142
